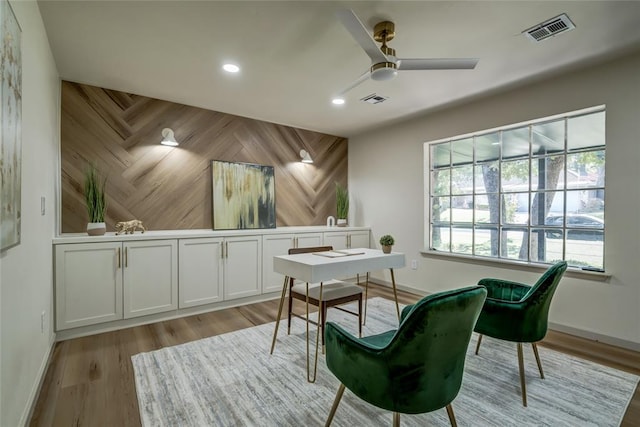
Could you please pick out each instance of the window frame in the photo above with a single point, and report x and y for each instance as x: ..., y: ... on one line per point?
x: 501, y: 227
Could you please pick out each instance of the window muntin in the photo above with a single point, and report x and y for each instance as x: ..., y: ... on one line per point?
x: 532, y: 192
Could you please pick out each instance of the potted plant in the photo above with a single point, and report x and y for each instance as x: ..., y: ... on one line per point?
x: 95, y: 199
x: 387, y: 241
x: 342, y: 205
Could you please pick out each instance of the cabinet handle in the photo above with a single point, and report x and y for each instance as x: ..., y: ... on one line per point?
x: 295, y: 242
x: 348, y: 240
x: 226, y: 249
x: 126, y: 258
x: 222, y: 250
x: 118, y: 256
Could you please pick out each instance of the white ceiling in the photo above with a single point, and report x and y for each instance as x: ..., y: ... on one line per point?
x: 296, y: 55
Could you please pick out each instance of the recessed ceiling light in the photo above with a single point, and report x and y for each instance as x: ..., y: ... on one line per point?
x: 338, y: 101
x: 231, y: 68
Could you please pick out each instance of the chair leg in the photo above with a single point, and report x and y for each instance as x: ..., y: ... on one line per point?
x: 452, y: 418
x: 535, y: 353
x: 290, y: 308
x: 336, y: 402
x: 360, y: 317
x: 366, y: 297
x: 396, y: 419
x: 522, y: 379
x: 478, y: 345
x: 322, y: 311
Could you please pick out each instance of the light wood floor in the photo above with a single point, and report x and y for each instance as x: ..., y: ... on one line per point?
x: 90, y: 380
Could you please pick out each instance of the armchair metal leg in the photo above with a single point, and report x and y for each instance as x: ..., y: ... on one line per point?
x: 478, y: 345
x: 452, y: 418
x: 396, y: 419
x: 336, y: 402
x: 535, y: 352
x: 522, y: 379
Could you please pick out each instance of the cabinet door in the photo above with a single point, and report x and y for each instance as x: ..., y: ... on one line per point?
x: 200, y: 272
x: 359, y: 239
x: 88, y: 284
x: 307, y: 240
x: 242, y: 266
x: 274, y: 245
x: 150, y: 277
x: 337, y: 239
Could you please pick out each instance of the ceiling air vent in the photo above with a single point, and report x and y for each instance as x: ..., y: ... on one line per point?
x: 374, y: 98
x: 549, y: 28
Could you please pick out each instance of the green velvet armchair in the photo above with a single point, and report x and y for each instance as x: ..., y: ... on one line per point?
x: 418, y: 367
x: 519, y: 313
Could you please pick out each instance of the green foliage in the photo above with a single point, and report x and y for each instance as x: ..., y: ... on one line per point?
x: 94, y: 194
x: 387, y: 240
x: 342, y: 201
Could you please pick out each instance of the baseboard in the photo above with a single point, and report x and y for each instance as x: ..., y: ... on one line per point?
x: 629, y: 345
x: 25, y: 420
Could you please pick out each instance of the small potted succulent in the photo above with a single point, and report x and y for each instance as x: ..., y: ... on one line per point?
x: 386, y: 242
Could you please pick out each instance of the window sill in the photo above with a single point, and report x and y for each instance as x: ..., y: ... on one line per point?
x: 517, y: 265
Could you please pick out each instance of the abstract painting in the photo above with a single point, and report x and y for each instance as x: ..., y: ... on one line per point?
x: 11, y: 133
x: 243, y: 196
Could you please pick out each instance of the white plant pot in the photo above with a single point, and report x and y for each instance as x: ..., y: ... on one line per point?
x: 341, y: 222
x: 96, y: 228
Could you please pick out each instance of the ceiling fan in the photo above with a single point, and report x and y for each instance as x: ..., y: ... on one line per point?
x: 384, y: 63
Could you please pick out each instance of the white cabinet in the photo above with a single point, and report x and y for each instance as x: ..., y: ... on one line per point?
x: 101, y: 282
x: 347, y: 239
x: 88, y: 284
x: 200, y: 268
x: 279, y: 244
x: 150, y: 277
x: 216, y: 269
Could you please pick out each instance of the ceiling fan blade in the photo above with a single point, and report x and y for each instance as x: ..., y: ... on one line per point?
x: 361, y: 35
x: 438, y: 64
x: 357, y: 82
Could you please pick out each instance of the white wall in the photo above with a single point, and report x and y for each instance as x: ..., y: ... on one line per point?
x: 26, y: 288
x: 386, y: 178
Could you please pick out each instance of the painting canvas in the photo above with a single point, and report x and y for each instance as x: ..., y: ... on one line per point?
x: 11, y: 134
x: 243, y: 196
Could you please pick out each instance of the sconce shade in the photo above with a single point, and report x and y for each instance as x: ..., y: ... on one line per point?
x: 306, y: 158
x: 169, y: 138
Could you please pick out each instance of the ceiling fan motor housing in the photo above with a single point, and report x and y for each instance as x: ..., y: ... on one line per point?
x: 384, y: 71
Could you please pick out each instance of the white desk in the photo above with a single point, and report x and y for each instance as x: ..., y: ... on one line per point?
x: 314, y: 268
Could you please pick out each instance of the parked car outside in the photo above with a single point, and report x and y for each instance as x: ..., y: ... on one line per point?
x: 579, y: 227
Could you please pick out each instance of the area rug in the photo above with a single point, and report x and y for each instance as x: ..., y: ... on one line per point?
x: 232, y: 380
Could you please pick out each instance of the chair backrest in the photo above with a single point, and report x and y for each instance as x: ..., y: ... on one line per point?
x: 293, y: 251
x: 538, y: 300
x: 426, y: 356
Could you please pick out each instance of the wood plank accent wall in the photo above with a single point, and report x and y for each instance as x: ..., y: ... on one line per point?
x: 170, y: 188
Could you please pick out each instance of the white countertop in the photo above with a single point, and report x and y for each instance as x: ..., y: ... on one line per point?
x: 187, y: 234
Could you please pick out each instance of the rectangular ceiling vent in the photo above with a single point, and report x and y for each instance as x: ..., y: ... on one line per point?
x: 549, y: 28
x: 374, y: 98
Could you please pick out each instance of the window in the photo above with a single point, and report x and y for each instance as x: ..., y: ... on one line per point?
x: 530, y: 192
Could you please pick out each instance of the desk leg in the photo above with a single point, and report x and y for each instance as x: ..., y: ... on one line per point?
x: 315, y: 363
x: 275, y: 332
x: 395, y: 293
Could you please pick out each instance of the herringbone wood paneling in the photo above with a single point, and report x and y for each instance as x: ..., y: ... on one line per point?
x: 170, y: 188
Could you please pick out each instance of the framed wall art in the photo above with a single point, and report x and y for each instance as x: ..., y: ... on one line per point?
x: 11, y: 133
x: 243, y: 195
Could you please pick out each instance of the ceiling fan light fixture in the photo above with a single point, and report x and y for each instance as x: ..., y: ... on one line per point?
x: 384, y: 71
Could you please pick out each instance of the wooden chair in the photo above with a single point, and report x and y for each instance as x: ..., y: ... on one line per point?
x: 334, y: 293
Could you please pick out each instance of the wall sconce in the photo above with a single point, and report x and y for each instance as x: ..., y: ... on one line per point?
x: 169, y: 138
x: 306, y: 158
